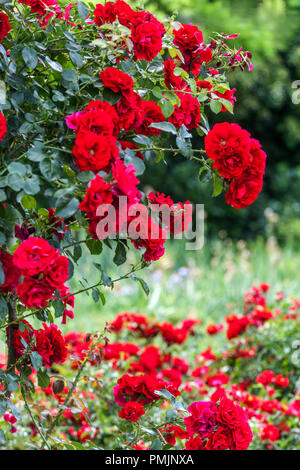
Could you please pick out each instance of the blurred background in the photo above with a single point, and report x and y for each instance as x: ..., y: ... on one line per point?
x: 257, y: 244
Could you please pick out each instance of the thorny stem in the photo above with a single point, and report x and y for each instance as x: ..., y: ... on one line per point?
x: 70, y: 393
x: 45, y: 442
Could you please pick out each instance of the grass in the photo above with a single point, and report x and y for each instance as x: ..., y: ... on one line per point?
x: 207, y: 284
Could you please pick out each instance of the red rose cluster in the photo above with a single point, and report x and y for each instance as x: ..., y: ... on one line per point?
x: 45, y: 9
x: 4, y: 25
x: 3, y: 126
x: 134, y: 392
x: 44, y: 271
x: 189, y: 39
x: 11, y: 273
x: 218, y: 426
x: 48, y: 342
x: 146, y: 30
x: 239, y: 159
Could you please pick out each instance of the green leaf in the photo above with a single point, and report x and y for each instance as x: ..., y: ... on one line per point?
x: 30, y: 57
x: 43, y: 379
x: 77, y: 252
x: 164, y: 126
x: 28, y: 202
x: 66, y: 206
x: 171, y: 415
x: 59, y: 307
x: 3, y: 440
x: 32, y: 185
x: 143, y: 283
x: 167, y: 108
x: 83, y: 10
x: 120, y: 254
x: 36, y: 360
x: 106, y: 280
x: 215, y: 106
x: 54, y: 65
x: 2, y: 274
x: 95, y: 246
x: 166, y: 394
x: 3, y: 308
x: 76, y: 59
x: 156, y: 444
x: 15, y: 181
x: 69, y: 75
x: 218, y: 185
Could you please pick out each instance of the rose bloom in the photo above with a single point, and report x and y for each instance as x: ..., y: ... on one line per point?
x: 188, y: 37
x: 11, y: 273
x: 3, y: 127
x: 202, y: 419
x: 188, y: 113
x: 34, y: 293
x: 132, y: 411
x: 57, y: 272
x: 244, y: 190
x: 228, y: 145
x: 149, y: 112
x: 33, y: 256
x: 147, y: 41
x: 4, y: 25
x: 58, y: 345
x: 116, y: 80
x: 265, y: 377
x: 172, y: 80
x: 93, y: 152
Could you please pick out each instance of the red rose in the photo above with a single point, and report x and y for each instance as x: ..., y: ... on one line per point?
x: 3, y: 127
x: 128, y: 110
x: 188, y: 113
x: 149, y: 112
x: 229, y: 414
x: 20, y: 337
x: 34, y: 293
x: 228, y: 145
x: 57, y: 272
x: 93, y: 152
x: 105, y: 13
x: 116, y: 80
x: 220, y: 440
x: 98, y: 117
x: 4, y: 25
x: 194, y: 444
x: 202, y: 418
x: 58, y: 345
x: 147, y: 41
x: 188, y: 37
x: 241, y: 436
x: 172, y: 80
x: 152, y: 237
x: 257, y: 158
x: 236, y: 325
x: 132, y: 411
x: 265, y: 377
x: 97, y: 193
x: 244, y: 191
x: 11, y: 273
x: 33, y: 256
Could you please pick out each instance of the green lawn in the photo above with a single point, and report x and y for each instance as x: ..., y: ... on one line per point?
x: 206, y: 284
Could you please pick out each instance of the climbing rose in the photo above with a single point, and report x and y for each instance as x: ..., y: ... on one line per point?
x: 149, y: 112
x: 116, y: 80
x: 202, y: 418
x: 33, y: 256
x: 11, y: 273
x: 147, y: 41
x: 4, y: 25
x: 3, y: 127
x: 228, y: 145
x: 34, y: 293
x: 244, y: 190
x: 132, y: 411
x: 93, y: 152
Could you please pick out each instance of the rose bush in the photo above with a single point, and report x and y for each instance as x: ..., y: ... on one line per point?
x: 155, y: 385
x: 88, y: 97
